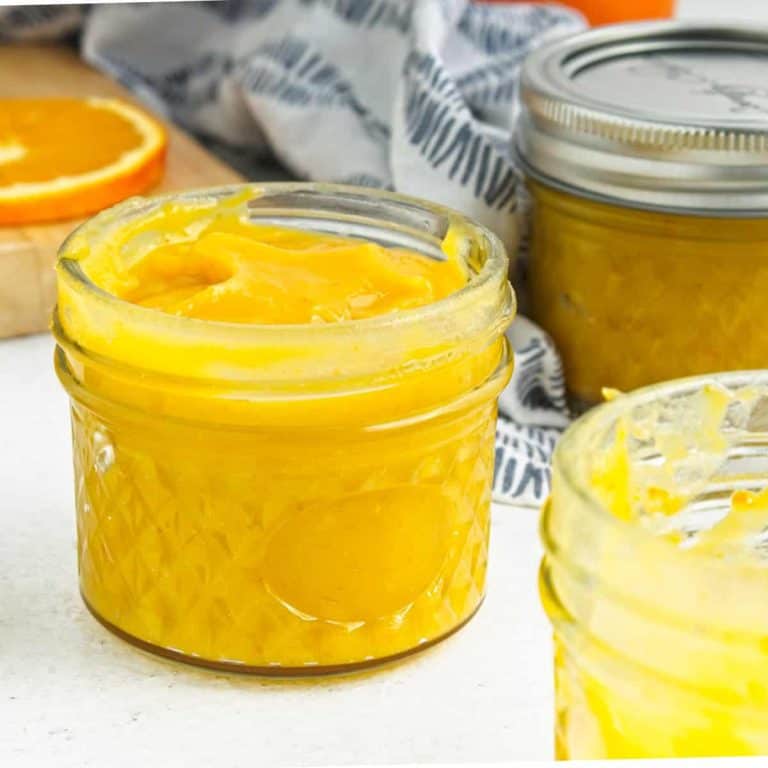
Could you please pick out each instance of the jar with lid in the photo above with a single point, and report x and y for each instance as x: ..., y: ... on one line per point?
x: 646, y: 153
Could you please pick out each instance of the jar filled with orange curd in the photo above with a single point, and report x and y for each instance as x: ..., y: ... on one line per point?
x: 654, y: 575
x: 646, y: 152
x: 283, y: 411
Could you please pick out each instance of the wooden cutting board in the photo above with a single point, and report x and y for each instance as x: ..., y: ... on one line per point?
x: 27, y: 254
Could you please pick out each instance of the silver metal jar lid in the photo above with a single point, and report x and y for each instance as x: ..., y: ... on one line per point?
x: 661, y: 115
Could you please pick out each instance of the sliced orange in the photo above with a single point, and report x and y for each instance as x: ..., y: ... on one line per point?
x: 66, y: 158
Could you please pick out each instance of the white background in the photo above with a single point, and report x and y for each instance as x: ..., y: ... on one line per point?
x: 73, y: 695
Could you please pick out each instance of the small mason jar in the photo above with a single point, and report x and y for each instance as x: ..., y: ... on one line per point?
x: 284, y: 498
x: 645, y: 148
x: 655, y: 573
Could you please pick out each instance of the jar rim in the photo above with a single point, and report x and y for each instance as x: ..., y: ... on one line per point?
x: 599, y: 421
x: 417, y: 219
x: 497, y: 257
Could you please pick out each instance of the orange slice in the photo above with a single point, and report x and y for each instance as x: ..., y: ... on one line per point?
x: 66, y: 158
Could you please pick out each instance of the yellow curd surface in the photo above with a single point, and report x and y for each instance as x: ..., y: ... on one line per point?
x: 660, y: 633
x: 245, y: 273
x: 271, y: 472
x: 636, y: 297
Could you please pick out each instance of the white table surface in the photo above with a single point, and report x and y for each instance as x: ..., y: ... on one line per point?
x: 71, y: 694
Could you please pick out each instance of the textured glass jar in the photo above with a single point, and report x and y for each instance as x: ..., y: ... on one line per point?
x: 655, y: 591
x: 286, y: 499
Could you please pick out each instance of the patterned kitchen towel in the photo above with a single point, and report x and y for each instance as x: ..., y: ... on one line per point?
x: 39, y: 22
x: 413, y: 95
x: 532, y: 414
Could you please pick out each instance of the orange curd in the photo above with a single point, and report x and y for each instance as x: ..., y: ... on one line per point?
x: 615, y: 288
x: 655, y: 573
x: 283, y: 403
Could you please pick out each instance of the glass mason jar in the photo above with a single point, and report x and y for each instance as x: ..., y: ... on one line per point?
x: 644, y: 149
x: 654, y: 575
x: 666, y: 303
x: 286, y: 498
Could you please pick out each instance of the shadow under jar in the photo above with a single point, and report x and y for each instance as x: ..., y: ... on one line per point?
x: 655, y: 573
x: 646, y: 152
x: 285, y: 499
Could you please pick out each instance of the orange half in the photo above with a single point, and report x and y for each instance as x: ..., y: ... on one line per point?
x: 66, y: 158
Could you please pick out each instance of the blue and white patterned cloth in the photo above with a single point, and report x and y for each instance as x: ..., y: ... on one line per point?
x: 413, y: 95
